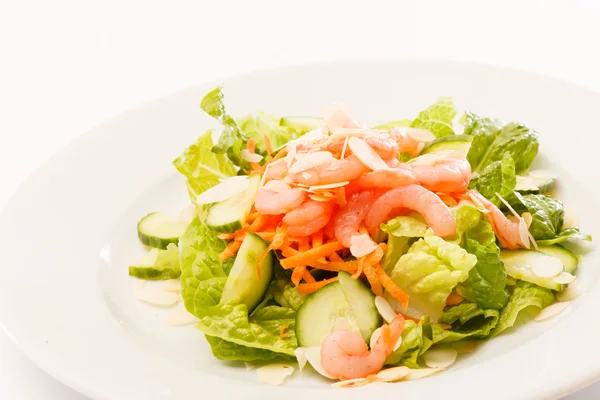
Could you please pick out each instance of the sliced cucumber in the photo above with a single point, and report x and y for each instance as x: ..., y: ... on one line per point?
x: 519, y: 264
x: 537, y: 181
x: 157, y: 265
x: 229, y: 215
x: 243, y: 285
x: 159, y: 230
x: 302, y: 124
x: 567, y: 257
x: 460, y: 143
x: 348, y: 299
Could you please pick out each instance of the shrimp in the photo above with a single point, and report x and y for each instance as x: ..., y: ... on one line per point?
x: 386, y: 147
x: 406, y: 144
x: 309, y: 218
x: 346, y: 169
x: 386, y: 178
x: 415, y: 197
x: 347, y: 219
x: 345, y: 355
x: 508, y: 230
x: 452, y: 175
x: 339, y: 118
x: 277, y: 197
x: 276, y: 170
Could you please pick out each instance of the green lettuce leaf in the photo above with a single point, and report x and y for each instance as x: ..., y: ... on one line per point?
x: 492, y: 139
x: 564, y: 235
x: 466, y: 217
x: 437, y: 118
x: 202, y: 168
x: 286, y: 294
x: 525, y: 295
x: 486, y: 284
x: 224, y: 350
x: 256, y: 126
x: 548, y: 214
x: 468, y: 322
x: 430, y: 270
x: 497, y: 177
x: 401, y: 232
x: 393, y: 124
x: 202, y: 281
x: 416, y: 340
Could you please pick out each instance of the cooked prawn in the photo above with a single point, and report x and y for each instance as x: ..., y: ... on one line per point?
x: 339, y: 118
x: 308, y: 218
x: 347, y: 219
x: 346, y: 169
x: 406, y: 144
x: 386, y: 178
x: 276, y: 171
x: 277, y: 197
x: 417, y: 198
x: 345, y: 355
x: 507, y: 229
x: 452, y: 175
x: 385, y: 146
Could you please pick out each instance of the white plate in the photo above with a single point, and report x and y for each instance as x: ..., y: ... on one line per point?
x: 69, y: 234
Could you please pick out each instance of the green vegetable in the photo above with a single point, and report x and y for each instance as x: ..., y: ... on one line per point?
x: 567, y: 257
x: 159, y: 230
x: 492, y: 139
x: 430, y: 270
x: 457, y: 143
x: 466, y: 217
x: 202, y: 281
x: 302, y: 125
x: 279, y: 130
x: 525, y: 295
x: 228, y: 351
x: 497, y: 177
x: 393, y: 124
x: 416, y: 340
x: 468, y: 322
x: 158, y: 264
x: 437, y: 118
x: 401, y: 234
x: 229, y: 215
x: 286, y: 294
x: 564, y: 235
x: 520, y: 265
x: 547, y: 214
x: 202, y: 168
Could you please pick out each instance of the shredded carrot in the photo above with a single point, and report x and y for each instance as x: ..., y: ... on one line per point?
x: 336, y: 266
x: 298, y: 274
x: 280, y: 155
x: 373, y: 279
x: 303, y: 245
x: 260, y: 260
x: 454, y: 299
x: 282, y: 329
x: 252, y: 216
x: 259, y: 222
x: 279, y: 238
x: 306, y: 288
x: 288, y: 252
x: 268, y: 236
x: 317, y: 238
x: 340, y: 196
x: 359, y: 271
x: 268, y: 146
x: 251, y: 145
x: 363, y: 229
x: 408, y: 317
x: 311, y: 255
x: 392, y: 289
x: 335, y: 257
x: 308, y: 278
x: 230, y: 250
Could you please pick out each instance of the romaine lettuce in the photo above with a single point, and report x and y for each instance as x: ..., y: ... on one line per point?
x: 256, y: 126
x: 547, y: 214
x: 565, y: 234
x: 437, y: 118
x: 468, y: 322
x: 497, y: 177
x: 416, y: 340
x: 401, y: 232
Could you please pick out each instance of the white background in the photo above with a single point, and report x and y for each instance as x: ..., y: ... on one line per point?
x: 65, y: 66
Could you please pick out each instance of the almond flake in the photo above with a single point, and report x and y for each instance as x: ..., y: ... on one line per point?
x: 385, y: 309
x: 344, y: 147
x: 528, y: 219
x: 569, y: 293
x: 274, y: 374
x: 543, y: 174
x: 440, y: 358
x: 291, y: 155
x: 171, y: 285
x: 300, y: 354
x: 350, y: 383
x: 320, y: 198
x: 366, y: 154
x: 564, y: 278
x: 329, y: 186
x: 526, y: 183
x: 524, y: 233
x: 306, y: 161
x: 550, y: 268
x: 464, y: 347
x: 155, y: 296
x: 179, y: 316
x: 264, y: 177
x: 224, y: 190
x: 420, y: 135
x: 377, y: 334
x: 551, y: 311
x: 188, y: 213
x: 422, y: 373
x: 570, y: 220
x: 392, y: 374
x: 250, y: 157
x: 361, y: 245
x: 313, y: 355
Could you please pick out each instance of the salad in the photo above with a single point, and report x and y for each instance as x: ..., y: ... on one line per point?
x: 375, y: 254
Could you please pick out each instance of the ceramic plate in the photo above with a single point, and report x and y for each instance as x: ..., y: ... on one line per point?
x: 70, y: 232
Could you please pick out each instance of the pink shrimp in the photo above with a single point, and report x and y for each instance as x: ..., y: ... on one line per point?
x: 345, y: 355
x: 309, y: 218
x: 277, y: 197
x: 452, y: 175
x: 347, y: 219
x: 386, y: 178
x: 507, y: 229
x: 339, y: 118
x: 386, y: 147
x: 406, y: 144
x: 346, y: 169
x: 276, y: 171
x: 415, y: 197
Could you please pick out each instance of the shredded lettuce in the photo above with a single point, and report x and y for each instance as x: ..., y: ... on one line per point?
x: 437, y: 118
x: 260, y: 124
x: 497, y: 177
x: 401, y: 232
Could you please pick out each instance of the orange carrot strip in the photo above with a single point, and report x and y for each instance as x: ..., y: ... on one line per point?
x: 359, y: 271
x: 348, y: 266
x: 373, y: 279
x: 306, y: 288
x: 268, y: 146
x: 392, y: 289
x: 259, y: 222
x: 363, y: 229
x: 298, y: 274
x: 317, y: 239
x: 340, y: 196
x: 335, y: 257
x: 447, y: 199
x: 268, y: 236
x: 280, y: 155
x: 230, y: 250
x: 289, y: 252
x: 311, y: 255
x: 303, y: 245
x: 408, y: 317
x: 251, y: 145
x: 454, y: 299
x: 252, y: 216
x: 280, y: 236
x: 308, y: 278
x: 282, y: 334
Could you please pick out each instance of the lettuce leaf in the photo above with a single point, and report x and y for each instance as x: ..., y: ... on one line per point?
x: 202, y: 281
x: 286, y: 294
x: 466, y: 217
x: 497, y: 177
x: 256, y: 126
x: 228, y: 351
x: 564, y: 235
x: 525, y: 295
x: 430, y: 270
x: 401, y: 232
x: 468, y: 322
x: 492, y: 139
x: 437, y: 118
x: 547, y: 214
x: 416, y: 340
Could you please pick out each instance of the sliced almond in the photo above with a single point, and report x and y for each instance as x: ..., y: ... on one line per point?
x: 344, y: 148
x: 361, y: 245
x: 306, y: 161
x: 250, y: 157
x: 543, y: 174
x: 313, y: 355
x: 300, y: 354
x: 350, y: 383
x: 420, y: 135
x: 377, y: 334
x: 528, y: 219
x: 551, y: 267
x: 156, y: 296
x: 552, y: 311
x: 274, y: 374
x: 570, y: 220
x: 319, y: 197
x: 422, y: 373
x: 188, y: 213
x: 171, y: 285
x: 249, y: 367
x: 564, y: 278
x: 393, y: 374
x: 264, y: 177
x: 224, y: 190
x: 291, y: 155
x: 329, y: 186
x: 366, y: 154
x: 524, y: 233
x: 440, y: 358
x: 464, y: 347
x: 526, y: 183
x: 179, y: 316
x: 385, y: 309
x: 569, y: 293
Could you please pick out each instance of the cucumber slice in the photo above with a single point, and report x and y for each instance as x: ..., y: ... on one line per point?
x: 302, y: 124
x: 157, y: 265
x: 537, y: 181
x: 243, y: 285
x: 567, y: 257
x: 347, y: 298
x: 229, y: 215
x: 159, y: 230
x: 519, y: 265
x: 460, y: 143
